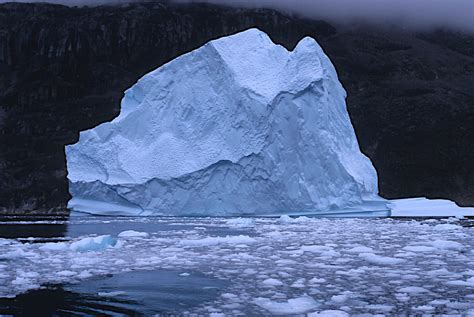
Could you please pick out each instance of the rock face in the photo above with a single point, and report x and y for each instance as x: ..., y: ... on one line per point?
x: 64, y: 70
x: 238, y: 126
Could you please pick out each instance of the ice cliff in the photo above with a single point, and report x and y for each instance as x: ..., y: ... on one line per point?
x: 238, y: 126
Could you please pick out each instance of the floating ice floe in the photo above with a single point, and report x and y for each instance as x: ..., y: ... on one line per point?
x: 423, y: 207
x: 99, y: 243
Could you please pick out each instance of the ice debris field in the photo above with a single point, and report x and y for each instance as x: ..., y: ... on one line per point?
x: 272, y: 266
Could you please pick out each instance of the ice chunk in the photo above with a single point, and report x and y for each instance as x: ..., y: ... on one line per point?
x: 111, y: 294
x: 419, y: 248
x: 469, y: 282
x: 55, y: 246
x: 132, y: 234
x: 413, y: 290
x: 340, y: 298
x: 446, y: 245
x: 272, y: 282
x: 360, y: 249
x: 447, y: 227
x: 241, y: 222
x: 423, y: 207
x: 238, y: 126
x: 297, y: 305
x: 98, y: 243
x: 210, y: 241
x: 381, y: 260
x: 329, y: 313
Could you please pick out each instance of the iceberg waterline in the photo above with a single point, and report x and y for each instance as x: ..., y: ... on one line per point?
x: 239, y: 126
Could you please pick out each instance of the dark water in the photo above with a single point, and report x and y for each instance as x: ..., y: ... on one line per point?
x: 137, y: 293
x: 59, y: 229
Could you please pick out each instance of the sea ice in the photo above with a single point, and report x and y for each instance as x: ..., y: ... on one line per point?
x: 132, y: 234
x: 377, y: 282
x: 329, y: 313
x: 98, y: 243
x: 380, y: 260
x: 297, y: 305
x: 413, y: 290
x: 272, y: 282
x: 423, y: 207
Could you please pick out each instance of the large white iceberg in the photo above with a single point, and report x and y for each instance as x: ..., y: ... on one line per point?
x: 238, y: 126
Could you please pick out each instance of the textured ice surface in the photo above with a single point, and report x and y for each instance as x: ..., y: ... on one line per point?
x: 336, y: 267
x: 238, y: 126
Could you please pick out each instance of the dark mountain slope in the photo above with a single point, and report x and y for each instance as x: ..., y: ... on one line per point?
x: 63, y: 70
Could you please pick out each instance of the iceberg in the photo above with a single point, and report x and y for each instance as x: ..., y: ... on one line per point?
x: 239, y: 126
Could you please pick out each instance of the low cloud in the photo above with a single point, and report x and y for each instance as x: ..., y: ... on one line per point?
x: 419, y: 14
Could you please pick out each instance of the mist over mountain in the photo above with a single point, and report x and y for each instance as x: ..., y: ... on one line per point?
x: 413, y: 14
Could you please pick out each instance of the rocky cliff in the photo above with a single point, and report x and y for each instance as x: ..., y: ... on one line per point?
x: 64, y: 69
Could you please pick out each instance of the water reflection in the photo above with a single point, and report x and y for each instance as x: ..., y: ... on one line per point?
x: 137, y: 293
x: 37, y: 230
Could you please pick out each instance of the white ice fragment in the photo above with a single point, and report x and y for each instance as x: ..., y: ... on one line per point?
x: 285, y: 219
x: 85, y: 274
x: 446, y: 245
x: 211, y: 241
x: 299, y: 283
x: 380, y: 307
x: 316, y: 280
x: 298, y: 305
x: 469, y: 282
x: 55, y: 246
x: 329, y: 313
x: 111, y: 294
x: 447, y: 227
x: 340, y: 298
x: 132, y: 234
x: 423, y: 207
x: 438, y: 302
x: 316, y: 248
x: 413, y: 290
x: 66, y: 273
x: 419, y: 248
x: 360, y: 249
x: 241, y: 222
x: 98, y: 243
x: 426, y: 308
x: 380, y: 260
x: 272, y: 282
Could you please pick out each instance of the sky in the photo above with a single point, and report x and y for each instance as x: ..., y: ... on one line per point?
x: 418, y: 14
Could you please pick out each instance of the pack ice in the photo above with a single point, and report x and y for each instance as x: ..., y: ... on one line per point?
x: 238, y: 126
